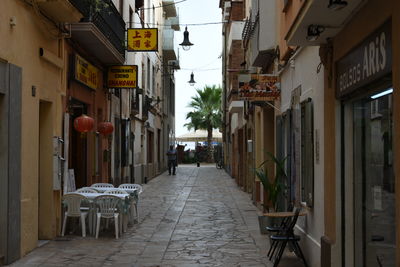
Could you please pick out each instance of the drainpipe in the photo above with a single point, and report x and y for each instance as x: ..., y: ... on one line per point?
x: 224, y: 96
x: 120, y: 133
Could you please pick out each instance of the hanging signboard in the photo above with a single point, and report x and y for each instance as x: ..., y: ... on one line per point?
x: 258, y: 87
x: 369, y: 61
x: 124, y: 76
x: 86, y: 73
x: 142, y: 39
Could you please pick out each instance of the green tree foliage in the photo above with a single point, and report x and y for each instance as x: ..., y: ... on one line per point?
x: 206, y: 113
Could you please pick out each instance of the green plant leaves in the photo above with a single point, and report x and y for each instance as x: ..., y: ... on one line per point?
x: 272, y: 185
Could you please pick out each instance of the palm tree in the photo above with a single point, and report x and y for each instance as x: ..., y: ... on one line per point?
x: 206, y: 114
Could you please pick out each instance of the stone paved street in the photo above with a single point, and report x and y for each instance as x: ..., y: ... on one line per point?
x: 197, y: 218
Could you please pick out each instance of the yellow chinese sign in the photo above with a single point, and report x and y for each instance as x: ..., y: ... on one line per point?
x: 143, y: 39
x: 86, y: 73
x: 124, y: 76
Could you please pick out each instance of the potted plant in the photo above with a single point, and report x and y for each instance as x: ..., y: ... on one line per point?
x: 274, y: 186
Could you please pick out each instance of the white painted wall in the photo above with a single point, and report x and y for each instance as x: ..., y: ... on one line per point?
x: 302, y: 71
x: 152, y: 17
x: 268, y: 38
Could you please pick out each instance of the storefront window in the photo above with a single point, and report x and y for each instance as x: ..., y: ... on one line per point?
x: 374, y: 195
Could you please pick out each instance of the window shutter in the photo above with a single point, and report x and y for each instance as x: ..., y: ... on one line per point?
x: 289, y: 135
x: 307, y: 155
x: 279, y: 138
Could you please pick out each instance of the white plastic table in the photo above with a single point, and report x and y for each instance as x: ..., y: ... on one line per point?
x: 92, y: 196
x: 104, y: 189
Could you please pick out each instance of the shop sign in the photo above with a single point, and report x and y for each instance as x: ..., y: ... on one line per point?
x: 258, y: 87
x: 124, y: 76
x: 86, y: 73
x: 371, y: 60
x: 142, y: 39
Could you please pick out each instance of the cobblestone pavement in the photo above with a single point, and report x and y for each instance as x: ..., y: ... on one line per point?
x: 197, y: 218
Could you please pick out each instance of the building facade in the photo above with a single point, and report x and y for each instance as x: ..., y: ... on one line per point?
x: 334, y: 120
x: 32, y: 87
x: 55, y: 78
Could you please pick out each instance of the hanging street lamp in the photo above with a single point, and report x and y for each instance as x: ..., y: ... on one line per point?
x: 314, y: 31
x: 186, y: 44
x: 192, y: 81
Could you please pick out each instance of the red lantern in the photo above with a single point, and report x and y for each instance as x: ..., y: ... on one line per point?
x: 105, y: 128
x: 83, y: 123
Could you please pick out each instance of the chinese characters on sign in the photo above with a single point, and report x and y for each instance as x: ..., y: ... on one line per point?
x: 122, y: 76
x: 143, y: 39
x: 258, y: 87
x: 86, y: 73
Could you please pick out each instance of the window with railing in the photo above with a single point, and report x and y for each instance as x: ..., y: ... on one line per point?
x: 153, y: 84
x: 130, y: 17
x: 121, y: 7
x: 148, y: 75
x: 135, y: 103
x: 107, y: 19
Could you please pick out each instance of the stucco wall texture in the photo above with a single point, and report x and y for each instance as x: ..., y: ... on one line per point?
x: 30, y: 33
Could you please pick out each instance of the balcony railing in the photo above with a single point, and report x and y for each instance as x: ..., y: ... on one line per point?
x: 106, y: 18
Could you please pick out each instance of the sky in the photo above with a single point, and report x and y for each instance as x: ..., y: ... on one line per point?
x: 203, y: 58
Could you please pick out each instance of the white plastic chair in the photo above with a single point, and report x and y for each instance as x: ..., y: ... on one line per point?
x: 101, y: 185
x: 135, y: 198
x: 107, y: 208
x: 86, y: 190
x: 138, y: 187
x: 73, y: 202
x: 115, y: 191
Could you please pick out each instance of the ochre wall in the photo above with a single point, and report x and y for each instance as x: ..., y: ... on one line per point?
x: 95, y: 99
x: 287, y: 20
x: 22, y: 49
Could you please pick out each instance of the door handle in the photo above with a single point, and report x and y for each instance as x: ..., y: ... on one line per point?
x: 377, y: 238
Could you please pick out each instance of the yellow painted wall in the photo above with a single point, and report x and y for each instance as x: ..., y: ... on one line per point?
x: 264, y: 130
x: 20, y: 45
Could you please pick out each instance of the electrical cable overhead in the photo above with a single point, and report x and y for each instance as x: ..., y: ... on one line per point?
x: 180, y: 24
x: 200, y: 69
x: 163, y: 5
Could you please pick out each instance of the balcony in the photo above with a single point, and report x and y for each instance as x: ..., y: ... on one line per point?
x: 100, y: 32
x: 173, y: 22
x: 235, y: 34
x: 168, y: 44
x: 60, y: 11
x: 236, y: 106
x: 316, y: 12
x: 169, y: 8
x: 263, y: 34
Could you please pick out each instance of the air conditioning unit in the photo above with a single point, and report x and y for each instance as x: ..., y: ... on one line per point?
x: 174, y: 64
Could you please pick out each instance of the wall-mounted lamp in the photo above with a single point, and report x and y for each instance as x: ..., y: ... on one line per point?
x: 191, y: 82
x: 337, y: 4
x: 314, y: 31
x: 13, y: 21
x: 186, y: 44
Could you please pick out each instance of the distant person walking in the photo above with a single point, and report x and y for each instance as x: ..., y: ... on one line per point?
x: 172, y: 157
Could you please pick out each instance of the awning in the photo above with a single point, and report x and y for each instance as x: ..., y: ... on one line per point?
x: 199, y: 136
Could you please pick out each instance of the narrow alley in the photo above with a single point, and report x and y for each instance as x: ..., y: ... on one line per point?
x: 197, y: 218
